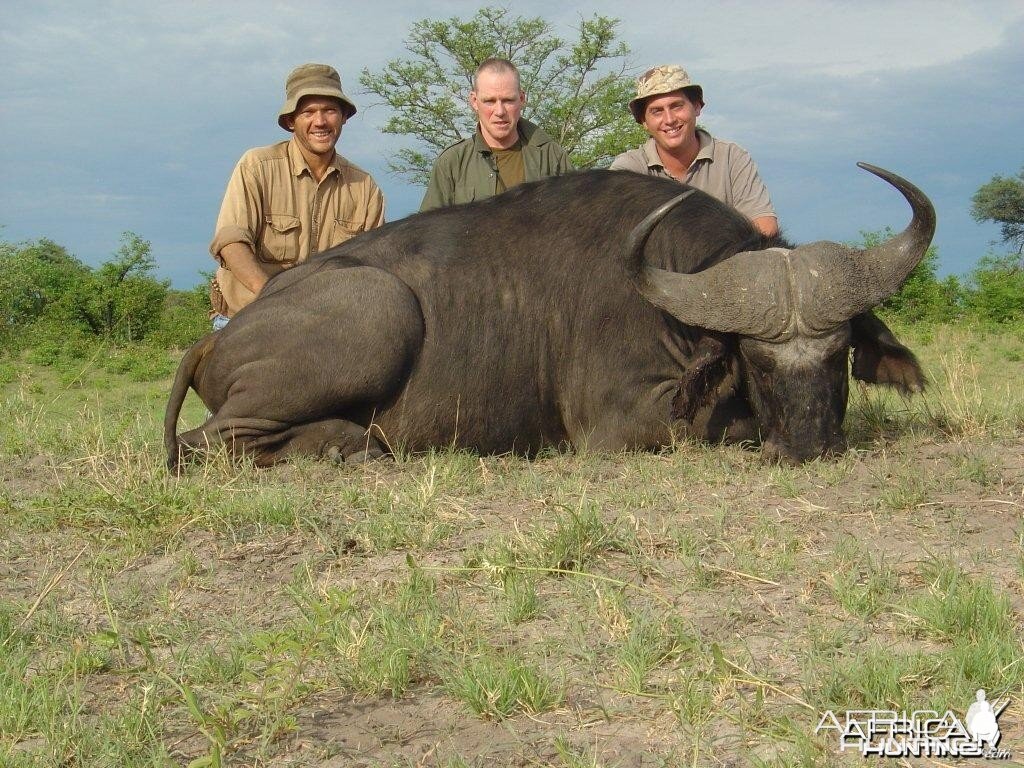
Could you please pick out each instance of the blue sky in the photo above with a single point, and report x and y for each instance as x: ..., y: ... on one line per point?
x: 122, y: 116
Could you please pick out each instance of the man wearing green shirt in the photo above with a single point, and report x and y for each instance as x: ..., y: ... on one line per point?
x: 505, y: 149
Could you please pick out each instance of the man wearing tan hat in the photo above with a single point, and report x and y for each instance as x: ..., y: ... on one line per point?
x: 292, y: 199
x: 667, y: 105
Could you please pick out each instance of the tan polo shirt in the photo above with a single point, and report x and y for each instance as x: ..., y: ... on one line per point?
x: 722, y: 169
x: 275, y: 206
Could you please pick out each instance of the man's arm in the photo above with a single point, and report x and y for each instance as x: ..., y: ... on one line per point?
x: 239, y: 258
x: 375, y: 208
x: 767, y: 225
x: 750, y: 195
x: 441, y: 188
x: 564, y: 164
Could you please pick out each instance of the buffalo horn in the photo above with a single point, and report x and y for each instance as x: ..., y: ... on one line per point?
x: 741, y: 295
x: 844, y: 282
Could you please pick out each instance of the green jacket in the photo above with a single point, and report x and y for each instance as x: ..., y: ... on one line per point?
x: 466, y: 171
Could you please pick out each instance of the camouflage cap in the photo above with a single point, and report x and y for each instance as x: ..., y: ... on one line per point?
x: 661, y: 80
x: 313, y: 80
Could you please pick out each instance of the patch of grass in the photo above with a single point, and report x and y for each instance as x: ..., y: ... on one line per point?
x: 497, y: 685
x: 393, y: 519
x: 574, y: 541
x: 875, y: 677
x: 958, y: 607
x: 979, y: 469
x: 44, y: 712
x: 963, y: 404
x: 765, y: 549
x: 903, y: 488
x: 860, y: 583
x: 574, y: 757
x: 386, y: 646
x: 648, y: 643
x: 521, y: 600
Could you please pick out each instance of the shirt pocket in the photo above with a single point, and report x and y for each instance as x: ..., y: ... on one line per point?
x: 345, y: 229
x: 280, y: 241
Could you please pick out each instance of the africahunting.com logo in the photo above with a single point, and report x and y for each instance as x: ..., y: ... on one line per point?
x: 922, y: 733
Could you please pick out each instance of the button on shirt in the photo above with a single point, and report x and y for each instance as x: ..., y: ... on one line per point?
x: 275, y: 206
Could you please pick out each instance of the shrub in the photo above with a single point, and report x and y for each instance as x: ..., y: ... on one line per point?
x: 184, y: 319
x: 922, y: 297
x: 32, y: 277
x: 996, y: 289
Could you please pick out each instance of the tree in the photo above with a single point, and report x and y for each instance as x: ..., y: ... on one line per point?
x: 119, y: 299
x: 922, y: 297
x: 996, y: 289
x: 1002, y: 201
x: 576, y: 92
x: 33, y: 276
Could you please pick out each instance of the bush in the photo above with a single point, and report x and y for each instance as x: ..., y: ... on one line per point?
x: 184, y: 319
x: 996, y: 289
x: 33, y: 277
x: 922, y: 297
x: 140, y: 362
x: 41, y: 282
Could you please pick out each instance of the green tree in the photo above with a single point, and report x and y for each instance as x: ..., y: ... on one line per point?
x: 576, y: 92
x: 922, y: 296
x: 184, y: 319
x: 1002, y: 201
x: 995, y: 291
x: 34, y: 276
x: 120, y: 299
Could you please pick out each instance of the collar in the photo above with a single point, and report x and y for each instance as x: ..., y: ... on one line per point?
x: 530, y: 135
x: 299, y: 165
x: 705, y: 151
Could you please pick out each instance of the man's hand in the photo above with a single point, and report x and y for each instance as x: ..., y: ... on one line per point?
x: 239, y: 258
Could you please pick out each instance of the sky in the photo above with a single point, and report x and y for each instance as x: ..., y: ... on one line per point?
x: 128, y: 116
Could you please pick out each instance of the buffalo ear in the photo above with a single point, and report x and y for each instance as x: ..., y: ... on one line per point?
x: 706, y: 379
x: 879, y: 358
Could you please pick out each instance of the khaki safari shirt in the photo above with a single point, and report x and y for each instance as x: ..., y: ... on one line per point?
x: 722, y: 169
x: 467, y: 171
x: 275, y: 206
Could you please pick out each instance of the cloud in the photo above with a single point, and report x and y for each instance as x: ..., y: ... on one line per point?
x: 126, y: 116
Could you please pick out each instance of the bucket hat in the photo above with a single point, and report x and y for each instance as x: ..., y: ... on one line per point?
x: 661, y: 80
x: 313, y: 80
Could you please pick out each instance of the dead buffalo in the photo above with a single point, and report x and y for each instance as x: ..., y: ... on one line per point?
x: 603, y: 309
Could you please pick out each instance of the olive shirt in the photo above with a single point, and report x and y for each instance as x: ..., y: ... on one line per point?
x: 467, y: 171
x: 722, y: 169
x: 275, y: 206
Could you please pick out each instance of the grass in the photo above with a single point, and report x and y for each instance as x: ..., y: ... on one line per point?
x: 498, y: 685
x: 693, y: 607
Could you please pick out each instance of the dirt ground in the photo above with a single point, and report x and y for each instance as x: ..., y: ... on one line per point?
x: 741, y: 553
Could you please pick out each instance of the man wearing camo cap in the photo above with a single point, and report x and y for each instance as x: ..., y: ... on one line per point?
x: 292, y: 199
x: 667, y: 105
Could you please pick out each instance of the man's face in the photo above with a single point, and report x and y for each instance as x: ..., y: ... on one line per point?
x: 498, y: 101
x: 317, y: 124
x: 671, y: 120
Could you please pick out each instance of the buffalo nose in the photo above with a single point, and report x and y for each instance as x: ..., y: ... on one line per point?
x: 774, y: 450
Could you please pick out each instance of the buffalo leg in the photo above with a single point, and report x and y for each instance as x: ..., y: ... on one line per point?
x: 270, y: 442
x: 297, y: 372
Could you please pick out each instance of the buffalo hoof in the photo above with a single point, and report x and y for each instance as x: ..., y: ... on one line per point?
x: 358, y: 457
x: 361, y: 457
